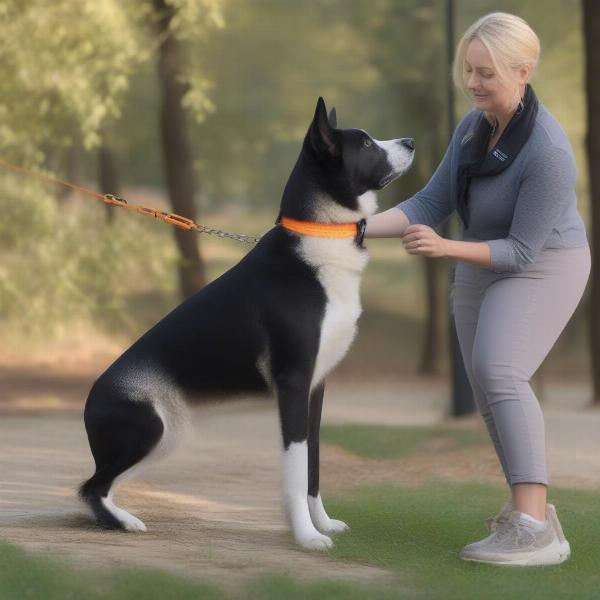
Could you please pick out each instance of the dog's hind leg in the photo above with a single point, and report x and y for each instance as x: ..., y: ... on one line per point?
x: 318, y: 515
x: 293, y: 393
x: 122, y: 433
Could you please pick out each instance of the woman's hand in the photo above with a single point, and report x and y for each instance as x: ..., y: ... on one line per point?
x: 423, y: 240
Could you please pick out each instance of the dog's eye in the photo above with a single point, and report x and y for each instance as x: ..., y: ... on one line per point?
x: 367, y: 142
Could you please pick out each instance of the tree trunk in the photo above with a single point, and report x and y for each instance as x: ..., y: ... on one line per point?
x: 430, y: 355
x: 591, y: 21
x: 463, y: 402
x: 177, y: 152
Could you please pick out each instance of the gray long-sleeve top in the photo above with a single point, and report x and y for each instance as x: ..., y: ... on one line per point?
x: 529, y: 206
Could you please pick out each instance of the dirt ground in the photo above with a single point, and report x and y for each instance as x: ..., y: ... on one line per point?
x: 213, y: 508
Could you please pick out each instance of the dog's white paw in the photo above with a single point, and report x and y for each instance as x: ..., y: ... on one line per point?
x: 315, y: 541
x: 132, y: 523
x: 127, y: 520
x: 333, y: 526
x: 321, y: 520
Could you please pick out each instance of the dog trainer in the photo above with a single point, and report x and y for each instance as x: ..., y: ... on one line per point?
x: 523, y: 264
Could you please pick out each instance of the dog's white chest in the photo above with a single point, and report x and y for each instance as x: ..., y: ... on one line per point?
x: 339, y: 324
x: 339, y: 266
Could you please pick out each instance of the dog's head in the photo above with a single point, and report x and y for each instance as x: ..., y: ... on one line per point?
x: 344, y: 164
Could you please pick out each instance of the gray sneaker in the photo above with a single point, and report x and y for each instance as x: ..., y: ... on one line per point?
x: 491, y: 523
x: 516, y: 542
x: 553, y: 518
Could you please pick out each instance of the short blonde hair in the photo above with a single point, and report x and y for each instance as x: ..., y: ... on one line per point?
x: 511, y: 43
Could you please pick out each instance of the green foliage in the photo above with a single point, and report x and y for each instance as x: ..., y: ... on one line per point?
x: 64, y: 71
x: 62, y: 263
x: 68, y: 80
x: 194, y: 19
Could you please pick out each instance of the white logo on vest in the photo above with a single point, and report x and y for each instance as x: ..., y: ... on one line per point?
x: 500, y: 155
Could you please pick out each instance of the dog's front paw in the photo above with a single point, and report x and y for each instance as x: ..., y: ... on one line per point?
x: 333, y: 526
x: 321, y: 520
x: 315, y: 541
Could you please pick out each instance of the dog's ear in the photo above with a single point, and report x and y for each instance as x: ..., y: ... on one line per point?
x: 322, y: 136
x: 333, y: 118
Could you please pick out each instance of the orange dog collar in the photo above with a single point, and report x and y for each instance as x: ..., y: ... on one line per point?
x: 331, y: 230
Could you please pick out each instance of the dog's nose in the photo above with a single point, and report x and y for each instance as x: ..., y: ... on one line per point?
x: 408, y: 143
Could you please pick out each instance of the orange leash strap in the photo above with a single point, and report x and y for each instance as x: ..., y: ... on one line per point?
x: 171, y: 218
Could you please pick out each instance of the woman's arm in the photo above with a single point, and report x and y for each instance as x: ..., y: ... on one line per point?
x: 476, y: 253
x: 390, y: 223
x: 423, y: 240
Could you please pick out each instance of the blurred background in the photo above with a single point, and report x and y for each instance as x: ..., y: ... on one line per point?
x: 199, y: 107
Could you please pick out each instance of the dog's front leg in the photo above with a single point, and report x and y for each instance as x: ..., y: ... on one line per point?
x: 318, y: 515
x: 292, y: 395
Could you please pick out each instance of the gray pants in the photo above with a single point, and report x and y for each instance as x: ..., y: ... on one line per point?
x: 506, y: 325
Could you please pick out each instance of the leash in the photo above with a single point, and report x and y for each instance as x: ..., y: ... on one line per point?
x: 114, y: 200
x: 330, y: 230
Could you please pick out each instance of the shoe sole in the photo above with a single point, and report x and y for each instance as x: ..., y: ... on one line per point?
x: 554, y: 554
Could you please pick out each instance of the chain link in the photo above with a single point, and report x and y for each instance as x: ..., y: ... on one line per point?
x: 178, y: 220
x: 240, y: 237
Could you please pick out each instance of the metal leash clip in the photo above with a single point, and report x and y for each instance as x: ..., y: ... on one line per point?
x: 114, y: 199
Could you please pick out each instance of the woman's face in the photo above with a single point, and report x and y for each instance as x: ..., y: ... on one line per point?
x: 487, y: 91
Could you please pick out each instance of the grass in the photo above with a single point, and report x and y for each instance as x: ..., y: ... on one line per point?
x: 414, y: 533
x: 24, y: 576
x: 381, y: 441
x: 418, y: 533
x: 39, y: 577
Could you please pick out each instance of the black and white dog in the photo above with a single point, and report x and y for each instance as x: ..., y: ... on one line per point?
x: 279, y: 320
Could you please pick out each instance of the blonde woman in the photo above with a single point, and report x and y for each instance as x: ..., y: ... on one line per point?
x: 523, y: 264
